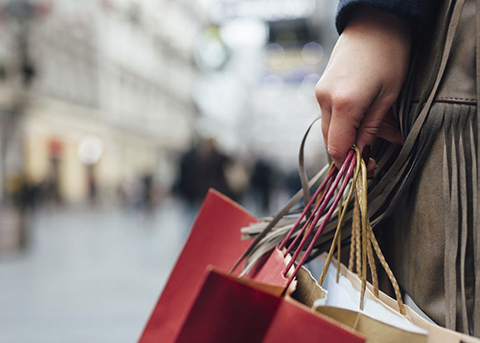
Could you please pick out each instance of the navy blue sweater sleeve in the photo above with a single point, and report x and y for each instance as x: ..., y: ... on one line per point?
x: 414, y: 11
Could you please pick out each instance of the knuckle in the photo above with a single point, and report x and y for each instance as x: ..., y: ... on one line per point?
x: 366, y: 134
x: 342, y: 101
x: 321, y: 92
x: 370, y: 131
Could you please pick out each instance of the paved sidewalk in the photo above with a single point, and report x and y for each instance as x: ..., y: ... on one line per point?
x: 88, y: 276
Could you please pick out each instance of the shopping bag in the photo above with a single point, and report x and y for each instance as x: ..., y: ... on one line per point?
x: 214, y: 240
x: 186, y: 308
x: 232, y: 309
x: 380, y: 325
x: 363, y: 242
x: 226, y: 307
x: 436, y: 333
x: 341, y: 303
x: 349, y: 283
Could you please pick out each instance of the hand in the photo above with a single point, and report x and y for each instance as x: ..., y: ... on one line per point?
x: 362, y: 80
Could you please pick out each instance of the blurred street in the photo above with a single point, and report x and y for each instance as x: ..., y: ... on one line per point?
x: 116, y: 117
x: 88, y: 275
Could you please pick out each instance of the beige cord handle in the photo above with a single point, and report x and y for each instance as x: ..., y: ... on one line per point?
x: 363, y: 241
x: 341, y: 217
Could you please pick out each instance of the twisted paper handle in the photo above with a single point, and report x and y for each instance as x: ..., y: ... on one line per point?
x: 363, y: 241
x: 325, y: 193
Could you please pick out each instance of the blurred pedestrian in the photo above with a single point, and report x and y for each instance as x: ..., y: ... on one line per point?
x: 261, y: 184
x: 201, y: 168
x: 147, y: 190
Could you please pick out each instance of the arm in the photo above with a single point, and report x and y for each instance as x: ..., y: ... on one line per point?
x: 362, y: 80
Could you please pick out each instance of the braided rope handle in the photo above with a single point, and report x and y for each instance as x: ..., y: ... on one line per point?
x: 364, y: 246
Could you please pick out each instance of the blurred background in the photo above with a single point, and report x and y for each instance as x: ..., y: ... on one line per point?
x: 116, y: 116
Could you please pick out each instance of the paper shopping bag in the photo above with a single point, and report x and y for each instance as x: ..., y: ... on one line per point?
x: 214, y: 240
x: 376, y: 323
x: 238, y: 310
x: 435, y: 332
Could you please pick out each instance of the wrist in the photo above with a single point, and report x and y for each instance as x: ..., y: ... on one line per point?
x: 367, y: 19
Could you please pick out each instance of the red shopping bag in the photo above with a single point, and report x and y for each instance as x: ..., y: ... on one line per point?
x: 225, y: 308
x: 214, y: 239
x: 237, y: 310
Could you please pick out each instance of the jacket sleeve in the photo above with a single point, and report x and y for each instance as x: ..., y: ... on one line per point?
x: 415, y: 11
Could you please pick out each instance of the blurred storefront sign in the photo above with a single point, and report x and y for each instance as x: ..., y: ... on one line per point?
x: 55, y: 148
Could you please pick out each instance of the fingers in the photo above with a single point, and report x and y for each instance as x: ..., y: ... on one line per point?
x: 371, y: 166
x: 326, y: 113
x: 342, y: 113
x: 368, y: 129
x: 354, y: 119
x: 342, y: 132
x: 389, y: 130
x: 355, y: 122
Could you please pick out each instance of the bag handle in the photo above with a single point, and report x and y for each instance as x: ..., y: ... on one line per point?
x: 363, y: 241
x: 322, y: 197
x: 303, y: 192
x: 320, y: 208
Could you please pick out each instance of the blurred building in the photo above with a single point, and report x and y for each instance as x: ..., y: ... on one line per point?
x: 94, y: 93
x: 109, y: 91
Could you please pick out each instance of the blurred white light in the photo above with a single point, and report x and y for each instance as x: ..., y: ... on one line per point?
x: 274, y: 54
x: 244, y: 33
x: 312, y: 53
x: 210, y: 53
x: 309, y: 82
x: 90, y: 150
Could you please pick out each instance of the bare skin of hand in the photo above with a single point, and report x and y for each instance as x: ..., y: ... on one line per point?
x: 362, y: 80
